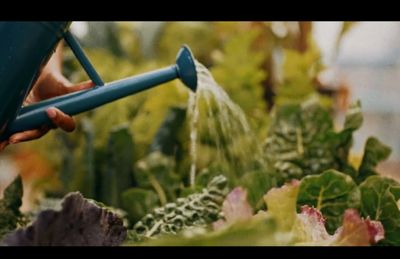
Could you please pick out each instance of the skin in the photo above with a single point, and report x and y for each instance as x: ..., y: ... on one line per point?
x: 50, y: 83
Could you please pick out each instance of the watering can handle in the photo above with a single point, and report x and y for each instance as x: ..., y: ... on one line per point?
x: 82, y: 58
x: 85, y: 63
x: 87, y: 66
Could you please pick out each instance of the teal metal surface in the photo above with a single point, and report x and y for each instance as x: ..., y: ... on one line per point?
x: 24, y: 48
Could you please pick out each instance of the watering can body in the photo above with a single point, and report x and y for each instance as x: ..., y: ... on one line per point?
x: 25, y: 47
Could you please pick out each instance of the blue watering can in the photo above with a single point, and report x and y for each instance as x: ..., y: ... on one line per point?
x: 25, y: 48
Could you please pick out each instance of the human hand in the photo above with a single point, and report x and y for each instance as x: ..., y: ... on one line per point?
x: 51, y: 83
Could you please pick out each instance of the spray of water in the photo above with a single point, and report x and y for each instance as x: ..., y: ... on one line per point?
x: 220, y: 134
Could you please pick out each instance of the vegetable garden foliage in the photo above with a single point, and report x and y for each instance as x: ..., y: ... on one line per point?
x: 132, y: 155
x: 354, y: 206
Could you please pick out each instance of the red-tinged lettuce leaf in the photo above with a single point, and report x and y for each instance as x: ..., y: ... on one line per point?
x: 235, y: 208
x: 379, y: 196
x: 376, y: 231
x: 309, y: 226
x: 79, y: 223
x: 332, y: 193
x: 357, y: 231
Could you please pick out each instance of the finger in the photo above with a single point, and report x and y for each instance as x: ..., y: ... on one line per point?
x: 81, y: 86
x: 3, y: 144
x: 61, y: 119
x: 28, y: 135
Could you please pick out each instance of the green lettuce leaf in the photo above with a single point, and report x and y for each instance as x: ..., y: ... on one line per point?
x: 332, y: 193
x: 379, y: 196
x: 281, y: 204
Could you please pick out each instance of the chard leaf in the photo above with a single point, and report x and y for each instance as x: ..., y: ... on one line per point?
x: 354, y: 118
x: 343, y: 140
x: 332, y: 193
x: 374, y: 152
x: 300, y: 141
x: 379, y: 197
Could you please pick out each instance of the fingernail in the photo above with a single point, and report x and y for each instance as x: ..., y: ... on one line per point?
x: 52, y: 113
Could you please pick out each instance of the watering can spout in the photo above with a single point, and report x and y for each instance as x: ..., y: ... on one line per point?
x: 35, y: 116
x: 186, y: 67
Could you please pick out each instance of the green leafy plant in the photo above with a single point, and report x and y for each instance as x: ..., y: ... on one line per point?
x: 302, y: 141
x: 379, y: 196
x: 279, y: 225
x: 10, y: 215
x: 195, y: 210
x: 331, y: 193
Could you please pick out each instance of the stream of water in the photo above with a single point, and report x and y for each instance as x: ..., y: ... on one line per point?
x: 220, y: 135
